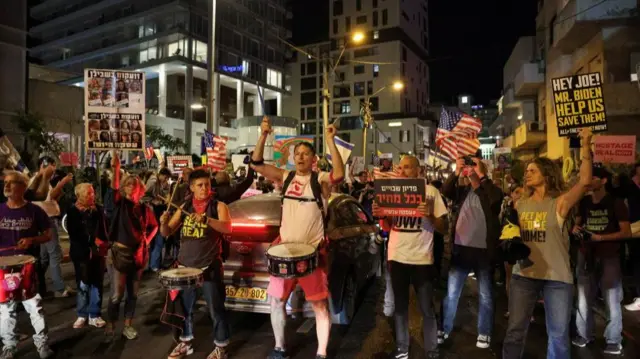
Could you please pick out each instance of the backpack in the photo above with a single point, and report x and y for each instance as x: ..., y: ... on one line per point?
x: 316, y: 188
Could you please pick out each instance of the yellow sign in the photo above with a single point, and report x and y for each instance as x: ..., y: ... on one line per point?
x: 257, y: 294
x: 579, y: 103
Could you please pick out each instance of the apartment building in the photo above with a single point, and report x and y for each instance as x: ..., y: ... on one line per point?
x: 171, y: 41
x: 572, y: 37
x: 394, y: 48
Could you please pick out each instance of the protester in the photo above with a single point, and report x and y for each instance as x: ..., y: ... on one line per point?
x: 154, y: 194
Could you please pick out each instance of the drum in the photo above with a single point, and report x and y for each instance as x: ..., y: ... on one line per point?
x: 182, y: 278
x: 17, y: 278
x: 291, y: 260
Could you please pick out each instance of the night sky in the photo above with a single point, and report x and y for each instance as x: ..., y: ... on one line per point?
x: 470, y: 41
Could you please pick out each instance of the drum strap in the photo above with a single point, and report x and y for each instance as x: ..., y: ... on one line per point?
x: 316, y: 188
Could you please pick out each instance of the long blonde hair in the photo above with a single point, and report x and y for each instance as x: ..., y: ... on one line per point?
x: 553, y: 182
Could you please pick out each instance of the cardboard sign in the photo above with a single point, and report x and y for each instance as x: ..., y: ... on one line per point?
x: 614, y: 149
x: 69, y: 159
x: 400, y: 196
x: 579, y: 103
x: 177, y: 163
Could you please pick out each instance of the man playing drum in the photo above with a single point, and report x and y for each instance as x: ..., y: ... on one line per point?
x: 302, y: 222
x: 203, y: 220
x: 23, y: 226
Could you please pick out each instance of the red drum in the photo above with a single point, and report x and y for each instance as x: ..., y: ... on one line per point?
x: 17, y: 278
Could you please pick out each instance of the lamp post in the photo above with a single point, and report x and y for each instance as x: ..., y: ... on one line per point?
x: 368, y: 119
x: 356, y: 38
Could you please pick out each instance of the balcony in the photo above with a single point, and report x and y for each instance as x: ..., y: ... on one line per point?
x: 509, y: 99
x: 529, y: 135
x: 529, y: 79
x: 580, y: 20
x: 621, y: 98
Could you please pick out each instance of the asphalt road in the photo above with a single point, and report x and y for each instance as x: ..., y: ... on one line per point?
x: 369, y: 337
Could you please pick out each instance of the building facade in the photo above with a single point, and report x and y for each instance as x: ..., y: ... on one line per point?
x: 572, y: 37
x: 172, y: 42
x: 395, y: 48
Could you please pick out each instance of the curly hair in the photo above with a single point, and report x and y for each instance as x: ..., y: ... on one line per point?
x: 554, y: 184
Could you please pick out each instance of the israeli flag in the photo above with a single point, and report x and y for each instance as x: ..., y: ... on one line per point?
x: 344, y: 148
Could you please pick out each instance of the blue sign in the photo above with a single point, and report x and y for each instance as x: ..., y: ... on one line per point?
x: 238, y: 68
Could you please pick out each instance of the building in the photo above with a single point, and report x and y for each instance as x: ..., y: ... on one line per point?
x: 171, y: 41
x: 572, y: 37
x: 395, y: 47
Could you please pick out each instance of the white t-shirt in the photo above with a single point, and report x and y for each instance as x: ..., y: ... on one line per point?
x: 302, y: 222
x: 411, y: 238
x: 48, y: 205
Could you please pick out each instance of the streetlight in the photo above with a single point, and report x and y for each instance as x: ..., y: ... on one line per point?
x: 368, y: 119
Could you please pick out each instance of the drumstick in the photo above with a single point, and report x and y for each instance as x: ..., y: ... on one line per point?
x: 178, y: 207
x: 8, y: 249
x: 174, y: 189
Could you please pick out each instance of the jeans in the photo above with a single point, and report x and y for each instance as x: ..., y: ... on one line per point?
x: 421, y: 276
x: 89, y: 279
x: 438, y: 253
x: 155, y: 260
x: 51, y: 256
x: 607, y: 274
x: 214, y: 294
x: 523, y: 294
x: 121, y: 282
x: 8, y: 320
x: 457, y: 276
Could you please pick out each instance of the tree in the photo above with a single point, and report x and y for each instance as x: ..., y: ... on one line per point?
x: 37, y: 139
x: 159, y: 139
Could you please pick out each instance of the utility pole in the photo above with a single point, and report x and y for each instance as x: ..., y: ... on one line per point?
x: 325, y: 102
x: 368, y: 120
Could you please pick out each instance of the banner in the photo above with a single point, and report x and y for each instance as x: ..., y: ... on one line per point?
x: 177, y: 163
x: 283, y: 150
x: 579, y: 103
x: 114, y: 109
x: 614, y: 149
x: 400, y: 196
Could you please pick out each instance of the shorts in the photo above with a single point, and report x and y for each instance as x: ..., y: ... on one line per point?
x: 314, y: 285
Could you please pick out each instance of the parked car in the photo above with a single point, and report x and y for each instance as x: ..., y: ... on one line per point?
x: 256, y: 224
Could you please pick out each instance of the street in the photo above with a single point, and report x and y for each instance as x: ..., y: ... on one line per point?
x: 370, y: 336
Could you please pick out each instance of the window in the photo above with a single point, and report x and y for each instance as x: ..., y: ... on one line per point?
x: 374, y: 4
x: 311, y: 113
x: 385, y: 137
x: 308, y: 83
x: 358, y: 89
x: 335, y: 26
x: 358, y: 69
x: 337, y: 8
x: 385, y: 17
x: 308, y: 128
x: 308, y: 98
x: 345, y: 107
x: 361, y: 20
x: 311, y: 68
x: 404, y: 54
x: 358, y: 5
x: 245, y: 67
x: 369, y: 87
x: 404, y: 136
x: 303, y: 68
x: 376, y: 70
x: 374, y: 104
x: 347, y: 23
x: 375, y: 18
x: 274, y: 78
x: 302, y: 113
x: 376, y: 35
x: 371, y: 51
x: 341, y: 91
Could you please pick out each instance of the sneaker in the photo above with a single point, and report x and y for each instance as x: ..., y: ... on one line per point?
x: 97, y: 322
x: 483, y: 342
x: 400, y: 354
x: 45, y: 352
x: 130, y: 333
x: 8, y: 353
x: 633, y: 307
x: 181, y: 350
x: 79, y: 323
x: 580, y: 342
x: 615, y: 349
x: 218, y: 353
x: 442, y: 336
x: 278, y: 353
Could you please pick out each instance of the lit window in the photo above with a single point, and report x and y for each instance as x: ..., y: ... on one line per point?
x: 376, y: 34
x: 274, y: 78
x: 245, y: 68
x: 464, y: 99
x: 345, y: 107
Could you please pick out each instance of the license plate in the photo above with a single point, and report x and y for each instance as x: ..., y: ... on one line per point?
x: 257, y: 294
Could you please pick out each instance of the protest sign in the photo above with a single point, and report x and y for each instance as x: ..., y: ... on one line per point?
x: 177, y: 163
x: 114, y: 109
x: 283, y: 150
x: 579, y: 103
x: 400, y: 196
x: 614, y: 149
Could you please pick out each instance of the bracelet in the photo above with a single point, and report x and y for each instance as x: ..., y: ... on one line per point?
x: 257, y: 163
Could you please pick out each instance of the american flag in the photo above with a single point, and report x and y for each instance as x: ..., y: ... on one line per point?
x: 148, y: 150
x: 457, y: 134
x: 216, y: 149
x: 379, y: 174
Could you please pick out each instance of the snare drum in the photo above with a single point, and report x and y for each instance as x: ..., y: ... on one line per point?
x: 17, y: 278
x: 292, y: 260
x: 182, y: 278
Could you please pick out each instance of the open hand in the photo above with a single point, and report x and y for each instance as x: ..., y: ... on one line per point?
x: 68, y: 178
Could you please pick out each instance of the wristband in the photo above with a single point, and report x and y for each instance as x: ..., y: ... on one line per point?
x: 257, y: 163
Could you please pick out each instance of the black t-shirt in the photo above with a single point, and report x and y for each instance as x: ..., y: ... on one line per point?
x: 356, y: 188
x: 84, y: 228
x: 603, y: 217
x: 200, y: 244
x: 131, y: 223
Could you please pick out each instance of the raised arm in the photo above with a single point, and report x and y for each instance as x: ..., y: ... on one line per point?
x: 336, y: 159
x: 56, y: 192
x: 115, y: 164
x: 273, y: 173
x: 571, y: 198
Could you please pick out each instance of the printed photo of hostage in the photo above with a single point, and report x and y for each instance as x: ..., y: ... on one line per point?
x: 108, y: 99
x: 122, y: 94
x: 136, y: 138
x: 104, y: 136
x: 135, y: 87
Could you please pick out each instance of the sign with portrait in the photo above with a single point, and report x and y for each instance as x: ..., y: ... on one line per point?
x: 400, y: 196
x: 579, y: 103
x: 114, y: 109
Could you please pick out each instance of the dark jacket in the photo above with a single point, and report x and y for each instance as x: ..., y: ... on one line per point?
x: 228, y: 193
x: 490, y: 200
x: 84, y: 228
